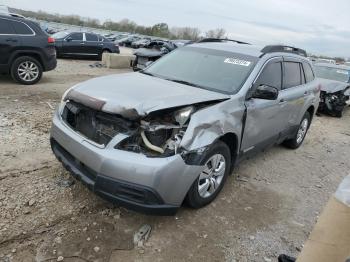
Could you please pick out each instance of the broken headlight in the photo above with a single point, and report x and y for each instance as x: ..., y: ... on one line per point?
x: 160, y: 133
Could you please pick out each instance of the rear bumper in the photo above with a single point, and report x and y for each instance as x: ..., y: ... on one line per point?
x: 148, y: 185
x: 50, y: 64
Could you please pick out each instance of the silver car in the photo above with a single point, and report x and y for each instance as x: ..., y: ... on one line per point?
x: 174, y: 131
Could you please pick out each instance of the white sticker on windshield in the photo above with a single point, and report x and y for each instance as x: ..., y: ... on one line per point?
x: 344, y: 72
x: 236, y: 61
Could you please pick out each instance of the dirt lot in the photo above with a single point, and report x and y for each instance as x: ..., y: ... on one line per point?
x: 269, y: 209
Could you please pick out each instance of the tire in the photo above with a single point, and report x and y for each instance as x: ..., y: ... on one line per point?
x: 35, y: 70
x: 300, y: 134
x: 105, y: 51
x: 197, y: 198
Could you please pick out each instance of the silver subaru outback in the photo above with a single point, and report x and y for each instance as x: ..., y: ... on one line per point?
x: 174, y: 131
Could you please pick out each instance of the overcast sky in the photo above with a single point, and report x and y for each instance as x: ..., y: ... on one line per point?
x: 319, y: 26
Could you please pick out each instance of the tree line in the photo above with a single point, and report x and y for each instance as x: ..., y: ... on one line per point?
x: 125, y: 25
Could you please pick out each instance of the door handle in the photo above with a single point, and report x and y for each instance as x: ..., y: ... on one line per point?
x: 82, y: 43
x: 282, y: 101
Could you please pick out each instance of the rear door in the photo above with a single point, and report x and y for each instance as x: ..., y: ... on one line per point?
x: 92, y: 45
x: 265, y: 119
x: 74, y: 44
x: 294, y: 90
x: 9, y: 41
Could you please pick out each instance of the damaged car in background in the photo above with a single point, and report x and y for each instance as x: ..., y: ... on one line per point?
x: 335, y: 90
x: 152, y: 139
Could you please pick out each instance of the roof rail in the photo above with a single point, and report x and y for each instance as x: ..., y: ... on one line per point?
x: 283, y: 48
x: 210, y: 40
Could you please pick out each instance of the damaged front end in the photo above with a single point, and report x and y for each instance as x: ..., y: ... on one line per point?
x: 159, y: 134
x: 333, y: 103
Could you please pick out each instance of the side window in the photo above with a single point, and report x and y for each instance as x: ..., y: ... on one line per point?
x: 292, y: 75
x: 271, y: 75
x: 6, y: 28
x: 76, y: 36
x: 91, y: 37
x: 21, y: 28
x: 309, y: 74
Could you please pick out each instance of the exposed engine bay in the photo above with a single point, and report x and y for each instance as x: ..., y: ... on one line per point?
x: 157, y: 134
x: 333, y: 103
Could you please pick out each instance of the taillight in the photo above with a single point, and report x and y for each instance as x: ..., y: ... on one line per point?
x: 50, y: 40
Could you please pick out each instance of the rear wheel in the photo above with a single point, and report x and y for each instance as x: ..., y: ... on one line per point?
x: 212, y: 179
x: 299, y: 136
x: 104, y: 52
x: 26, y: 70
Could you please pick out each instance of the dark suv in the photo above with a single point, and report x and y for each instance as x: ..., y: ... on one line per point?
x: 26, y: 51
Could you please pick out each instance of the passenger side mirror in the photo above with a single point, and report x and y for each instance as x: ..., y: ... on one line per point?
x: 265, y: 92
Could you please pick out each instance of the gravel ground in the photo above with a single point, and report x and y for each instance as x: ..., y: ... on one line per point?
x: 268, y: 209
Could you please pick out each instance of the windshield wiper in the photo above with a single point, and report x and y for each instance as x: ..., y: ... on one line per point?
x: 183, y: 82
x: 146, y: 73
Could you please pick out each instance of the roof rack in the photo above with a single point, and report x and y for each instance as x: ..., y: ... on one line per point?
x: 211, y: 40
x: 283, y: 48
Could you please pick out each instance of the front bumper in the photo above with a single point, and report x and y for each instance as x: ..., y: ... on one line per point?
x: 148, y: 185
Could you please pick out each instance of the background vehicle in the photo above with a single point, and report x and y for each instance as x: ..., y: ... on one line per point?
x: 81, y: 44
x: 146, y: 55
x: 175, y: 130
x: 26, y: 51
x: 141, y: 43
x: 127, y: 40
x: 335, y: 89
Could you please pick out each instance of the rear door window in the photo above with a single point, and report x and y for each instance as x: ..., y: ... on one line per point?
x: 22, y: 28
x: 309, y: 74
x: 91, y: 37
x: 292, y: 75
x: 76, y: 36
x: 6, y: 27
x: 271, y: 75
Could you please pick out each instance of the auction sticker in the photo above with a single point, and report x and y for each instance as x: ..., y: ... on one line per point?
x: 236, y: 61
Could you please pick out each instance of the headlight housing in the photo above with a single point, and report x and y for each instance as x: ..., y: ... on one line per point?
x: 183, y: 115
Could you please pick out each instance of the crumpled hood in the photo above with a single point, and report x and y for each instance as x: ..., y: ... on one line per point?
x: 332, y: 86
x: 135, y: 94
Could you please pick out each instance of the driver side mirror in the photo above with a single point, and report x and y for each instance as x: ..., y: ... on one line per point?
x: 265, y: 92
x: 68, y: 39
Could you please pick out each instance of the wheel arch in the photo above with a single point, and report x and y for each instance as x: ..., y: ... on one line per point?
x: 231, y: 140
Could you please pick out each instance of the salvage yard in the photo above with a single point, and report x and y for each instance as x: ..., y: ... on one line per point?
x: 269, y: 207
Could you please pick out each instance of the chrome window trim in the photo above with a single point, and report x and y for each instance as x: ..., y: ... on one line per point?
x: 33, y: 32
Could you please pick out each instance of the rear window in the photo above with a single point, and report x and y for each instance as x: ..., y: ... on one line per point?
x: 332, y: 73
x: 76, y: 36
x: 21, y: 28
x: 292, y: 76
x: 309, y: 74
x: 6, y: 28
x: 91, y: 37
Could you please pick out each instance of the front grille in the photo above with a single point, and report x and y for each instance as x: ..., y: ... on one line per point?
x: 95, y: 125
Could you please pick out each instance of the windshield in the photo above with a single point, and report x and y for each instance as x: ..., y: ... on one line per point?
x: 216, y: 70
x: 332, y: 73
x: 60, y: 35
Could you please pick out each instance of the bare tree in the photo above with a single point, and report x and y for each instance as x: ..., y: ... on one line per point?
x: 216, y: 33
x: 189, y: 33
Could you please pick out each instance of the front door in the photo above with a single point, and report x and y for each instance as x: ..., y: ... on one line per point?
x: 265, y: 119
x: 74, y: 44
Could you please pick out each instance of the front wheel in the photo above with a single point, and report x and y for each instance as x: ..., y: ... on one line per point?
x: 299, y: 136
x: 212, y: 178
